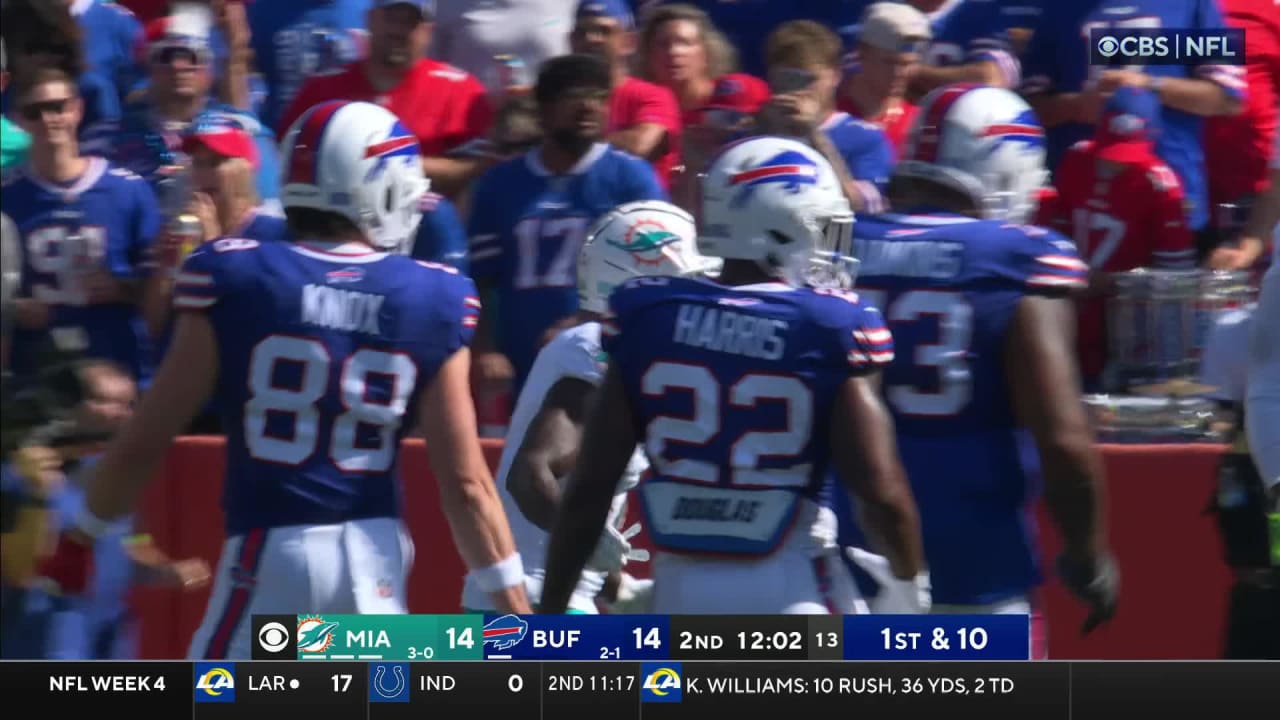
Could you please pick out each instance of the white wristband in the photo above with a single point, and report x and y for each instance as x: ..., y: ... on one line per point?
x: 91, y: 524
x: 501, y: 575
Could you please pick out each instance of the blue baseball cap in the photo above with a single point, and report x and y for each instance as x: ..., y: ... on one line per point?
x: 1129, y: 125
x: 617, y: 9
x: 426, y: 7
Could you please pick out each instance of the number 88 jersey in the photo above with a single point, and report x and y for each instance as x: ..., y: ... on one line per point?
x: 321, y: 359
x: 732, y: 390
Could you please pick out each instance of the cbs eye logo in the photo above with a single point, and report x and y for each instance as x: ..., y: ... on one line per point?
x: 273, y: 637
x: 1108, y: 46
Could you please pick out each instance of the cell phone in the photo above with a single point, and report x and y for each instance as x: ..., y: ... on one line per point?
x: 789, y: 80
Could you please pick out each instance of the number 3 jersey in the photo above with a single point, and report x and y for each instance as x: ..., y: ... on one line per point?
x: 948, y: 286
x: 105, y: 219
x: 322, y: 356
x: 732, y: 391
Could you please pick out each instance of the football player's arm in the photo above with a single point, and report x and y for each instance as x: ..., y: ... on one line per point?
x: 182, y: 385
x: 467, y: 493
x: 472, y: 118
x: 819, y: 141
x: 865, y: 452
x: 608, y: 441
x: 1218, y: 93
x: 1045, y: 387
x: 549, y: 451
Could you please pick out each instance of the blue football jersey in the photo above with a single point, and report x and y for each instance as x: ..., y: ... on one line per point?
x: 733, y: 389
x: 106, y: 219
x: 948, y: 286
x: 526, y: 229
x: 867, y: 153
x: 322, y: 356
x: 977, y: 31
x: 1057, y: 61
x: 441, y: 236
x: 109, y: 36
x: 295, y: 40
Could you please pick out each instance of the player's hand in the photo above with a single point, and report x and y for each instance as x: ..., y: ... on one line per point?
x: 897, y: 597
x: 492, y: 371
x: 186, y: 575
x: 68, y: 569
x: 31, y: 314
x: 1241, y: 256
x: 1096, y: 581
x: 794, y: 114
x: 203, y: 207
x: 614, y: 549
x: 634, y: 597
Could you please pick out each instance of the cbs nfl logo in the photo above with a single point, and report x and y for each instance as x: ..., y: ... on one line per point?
x: 662, y: 683
x: 215, y: 682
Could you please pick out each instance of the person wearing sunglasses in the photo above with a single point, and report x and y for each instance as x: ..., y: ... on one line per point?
x: 148, y: 138
x: 86, y: 228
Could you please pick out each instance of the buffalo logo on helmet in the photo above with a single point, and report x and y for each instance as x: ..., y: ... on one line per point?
x: 790, y: 168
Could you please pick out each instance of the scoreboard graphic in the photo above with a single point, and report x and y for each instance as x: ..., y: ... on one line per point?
x: 542, y: 667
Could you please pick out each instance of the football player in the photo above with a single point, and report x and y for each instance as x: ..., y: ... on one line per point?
x: 744, y: 391
x: 318, y: 349
x: 636, y: 239
x: 982, y: 326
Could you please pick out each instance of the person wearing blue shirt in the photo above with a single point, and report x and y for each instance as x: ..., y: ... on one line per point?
x: 441, y: 238
x: 530, y: 214
x: 1067, y: 92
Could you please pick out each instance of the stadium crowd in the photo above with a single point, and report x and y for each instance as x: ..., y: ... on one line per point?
x: 135, y: 131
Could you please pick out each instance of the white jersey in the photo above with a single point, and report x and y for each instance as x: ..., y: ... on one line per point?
x: 574, y: 353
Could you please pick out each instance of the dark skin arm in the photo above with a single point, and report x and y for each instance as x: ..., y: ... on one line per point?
x: 549, y: 451
x: 865, y: 452
x: 1045, y: 386
x: 607, y: 443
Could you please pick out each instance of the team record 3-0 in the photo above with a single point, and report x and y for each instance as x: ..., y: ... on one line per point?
x: 547, y: 667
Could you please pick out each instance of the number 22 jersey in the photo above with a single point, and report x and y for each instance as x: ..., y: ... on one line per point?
x: 948, y: 286
x: 732, y: 389
x: 322, y: 356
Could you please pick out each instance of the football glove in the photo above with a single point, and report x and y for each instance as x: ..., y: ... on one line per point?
x: 614, y: 549
x: 635, y: 596
x: 896, y: 596
x: 1097, y: 583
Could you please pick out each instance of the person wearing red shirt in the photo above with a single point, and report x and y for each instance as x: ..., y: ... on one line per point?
x: 644, y: 119
x: 1242, y: 144
x: 890, y: 43
x: 1124, y: 208
x: 440, y: 104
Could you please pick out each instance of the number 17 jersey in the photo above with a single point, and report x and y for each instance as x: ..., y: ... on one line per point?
x: 322, y: 356
x: 732, y: 390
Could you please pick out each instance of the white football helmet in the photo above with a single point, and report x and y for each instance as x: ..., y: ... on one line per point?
x: 984, y: 142
x: 649, y: 237
x: 358, y: 160
x: 778, y: 202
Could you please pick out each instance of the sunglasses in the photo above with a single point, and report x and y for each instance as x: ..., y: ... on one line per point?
x: 167, y: 55
x: 36, y: 110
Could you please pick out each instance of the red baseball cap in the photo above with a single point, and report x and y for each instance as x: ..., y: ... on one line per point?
x: 736, y: 93
x: 1128, y: 127
x: 224, y: 134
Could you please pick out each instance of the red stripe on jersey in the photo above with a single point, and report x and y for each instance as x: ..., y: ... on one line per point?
x: 306, y: 144
x: 928, y: 135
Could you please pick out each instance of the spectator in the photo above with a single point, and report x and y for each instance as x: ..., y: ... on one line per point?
x: 644, y: 118
x: 529, y: 215
x: 804, y: 70
x: 110, y: 32
x: 971, y: 44
x: 1243, y: 143
x: 681, y: 51
x: 148, y: 10
x: 1123, y: 207
x: 471, y: 35
x: 1068, y: 94
x: 86, y: 228
x: 890, y: 41
x: 44, y: 34
x: 148, y: 138
x: 298, y: 39
x: 748, y: 23
x: 440, y: 104
x: 13, y: 141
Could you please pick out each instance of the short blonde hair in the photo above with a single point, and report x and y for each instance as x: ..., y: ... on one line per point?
x: 803, y: 43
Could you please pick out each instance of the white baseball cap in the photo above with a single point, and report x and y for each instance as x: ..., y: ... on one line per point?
x: 893, y: 26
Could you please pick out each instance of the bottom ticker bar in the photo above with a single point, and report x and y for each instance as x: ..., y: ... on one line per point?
x: 643, y: 691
